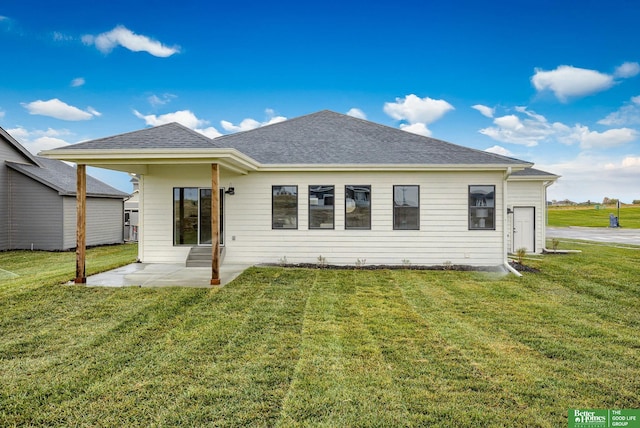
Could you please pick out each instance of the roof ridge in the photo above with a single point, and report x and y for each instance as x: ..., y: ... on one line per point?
x: 293, y: 119
x: 164, y: 125
x: 186, y: 128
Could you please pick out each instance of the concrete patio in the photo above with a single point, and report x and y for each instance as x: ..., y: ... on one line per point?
x: 163, y: 275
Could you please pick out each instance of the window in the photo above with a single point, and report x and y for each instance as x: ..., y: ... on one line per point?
x: 406, y: 207
x: 321, y: 207
x: 482, y: 211
x: 357, y: 207
x: 284, y: 207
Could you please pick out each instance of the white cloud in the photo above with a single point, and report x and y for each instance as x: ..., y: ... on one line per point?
x: 628, y: 114
x: 628, y: 69
x: 122, y: 36
x: 356, y: 112
x: 59, y: 110
x: 78, y: 81
x: 418, y: 112
x: 61, y: 37
x: 592, y: 177
x: 37, y: 140
x: 1, y: 114
x: 484, y: 110
x: 528, y: 131
x: 94, y: 111
x: 183, y: 117
x: 499, y: 150
x: 157, y: 101
x: 567, y: 81
x: 416, y: 128
x: 631, y: 162
x: 599, y: 140
x: 249, y: 124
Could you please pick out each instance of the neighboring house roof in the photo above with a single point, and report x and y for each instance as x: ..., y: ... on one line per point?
x: 62, y: 178
x: 13, y: 142
x: 318, y: 139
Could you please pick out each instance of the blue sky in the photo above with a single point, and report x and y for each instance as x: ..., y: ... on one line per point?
x: 553, y: 82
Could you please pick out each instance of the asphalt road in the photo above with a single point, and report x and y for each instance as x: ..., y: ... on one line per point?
x: 618, y: 235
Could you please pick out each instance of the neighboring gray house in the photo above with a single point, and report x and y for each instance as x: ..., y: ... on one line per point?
x: 38, y: 204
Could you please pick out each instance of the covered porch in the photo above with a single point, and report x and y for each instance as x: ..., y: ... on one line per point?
x: 213, y: 205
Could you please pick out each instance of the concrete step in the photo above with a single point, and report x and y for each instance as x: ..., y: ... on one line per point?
x: 201, y: 257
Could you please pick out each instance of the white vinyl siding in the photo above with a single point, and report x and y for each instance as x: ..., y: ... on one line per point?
x: 528, y: 194
x: 156, y: 209
x: 443, y: 236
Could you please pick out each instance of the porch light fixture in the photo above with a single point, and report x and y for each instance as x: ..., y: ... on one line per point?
x: 230, y: 191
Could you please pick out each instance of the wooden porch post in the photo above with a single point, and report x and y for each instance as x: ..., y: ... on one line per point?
x: 215, y: 226
x: 81, y: 219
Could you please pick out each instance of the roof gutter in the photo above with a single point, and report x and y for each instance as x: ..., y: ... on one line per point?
x: 231, y: 158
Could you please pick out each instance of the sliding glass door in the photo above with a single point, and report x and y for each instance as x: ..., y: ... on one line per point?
x: 192, y: 216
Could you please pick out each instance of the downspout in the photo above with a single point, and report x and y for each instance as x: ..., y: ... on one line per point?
x: 505, y: 224
x: 546, y: 185
x: 141, y: 214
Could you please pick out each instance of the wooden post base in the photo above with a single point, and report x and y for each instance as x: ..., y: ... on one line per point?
x: 81, y: 280
x: 215, y: 282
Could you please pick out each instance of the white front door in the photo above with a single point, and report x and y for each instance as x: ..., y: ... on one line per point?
x: 524, y: 229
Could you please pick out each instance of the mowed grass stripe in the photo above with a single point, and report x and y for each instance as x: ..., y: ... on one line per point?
x: 342, y: 378
x: 245, y: 383
x: 462, y: 310
x: 434, y: 376
x: 305, y: 347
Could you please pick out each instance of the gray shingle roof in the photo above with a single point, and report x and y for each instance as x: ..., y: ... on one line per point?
x: 169, y: 136
x: 327, y: 137
x: 62, y: 178
x: 319, y: 138
x: 532, y: 172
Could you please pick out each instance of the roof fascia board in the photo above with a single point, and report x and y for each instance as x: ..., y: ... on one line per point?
x: 392, y: 167
x: 551, y: 178
x: 243, y: 164
x: 229, y: 158
x: 19, y: 147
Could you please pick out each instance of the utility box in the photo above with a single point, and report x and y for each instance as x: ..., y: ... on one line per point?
x: 613, y: 221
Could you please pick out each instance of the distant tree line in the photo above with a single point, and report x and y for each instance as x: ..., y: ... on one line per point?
x: 605, y: 201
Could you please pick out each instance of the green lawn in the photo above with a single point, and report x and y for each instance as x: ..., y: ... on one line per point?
x: 295, y: 347
x: 589, y: 216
